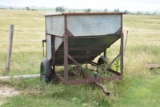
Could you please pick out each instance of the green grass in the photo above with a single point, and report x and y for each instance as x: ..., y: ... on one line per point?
x: 139, y: 88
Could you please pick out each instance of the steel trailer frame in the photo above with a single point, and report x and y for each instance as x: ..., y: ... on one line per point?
x: 87, y: 78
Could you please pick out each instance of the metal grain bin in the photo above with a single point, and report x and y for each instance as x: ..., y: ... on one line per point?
x: 77, y: 38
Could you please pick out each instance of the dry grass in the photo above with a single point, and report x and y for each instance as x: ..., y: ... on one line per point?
x: 28, y: 33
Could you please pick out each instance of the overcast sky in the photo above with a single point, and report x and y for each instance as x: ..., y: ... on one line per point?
x: 131, y: 5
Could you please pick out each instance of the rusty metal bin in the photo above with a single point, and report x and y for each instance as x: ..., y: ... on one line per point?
x: 77, y: 38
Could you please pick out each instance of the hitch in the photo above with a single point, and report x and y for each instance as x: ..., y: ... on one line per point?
x: 107, y: 93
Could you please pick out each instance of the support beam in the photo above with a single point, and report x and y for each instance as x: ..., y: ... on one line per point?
x: 83, y: 71
x: 121, y: 54
x: 66, y: 57
x: 53, y: 53
x: 106, y: 68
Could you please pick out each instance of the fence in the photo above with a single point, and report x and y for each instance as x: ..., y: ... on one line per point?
x: 29, y: 30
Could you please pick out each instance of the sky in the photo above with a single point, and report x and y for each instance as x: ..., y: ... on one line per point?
x: 131, y: 5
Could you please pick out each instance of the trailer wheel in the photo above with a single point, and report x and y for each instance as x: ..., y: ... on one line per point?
x: 100, y: 60
x: 46, y: 73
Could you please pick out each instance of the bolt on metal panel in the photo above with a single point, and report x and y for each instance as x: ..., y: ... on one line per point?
x: 87, y: 25
x: 58, y: 42
x: 55, y: 25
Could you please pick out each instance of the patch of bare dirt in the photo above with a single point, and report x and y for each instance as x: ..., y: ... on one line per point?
x: 2, y: 102
x: 7, y: 92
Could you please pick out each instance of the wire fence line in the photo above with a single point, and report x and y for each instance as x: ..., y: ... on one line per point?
x: 27, y: 41
x: 22, y: 61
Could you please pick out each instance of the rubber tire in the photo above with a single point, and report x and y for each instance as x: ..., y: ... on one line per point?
x: 46, y: 73
x: 100, y: 60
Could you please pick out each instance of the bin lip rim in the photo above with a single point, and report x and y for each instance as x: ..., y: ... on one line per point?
x: 84, y: 13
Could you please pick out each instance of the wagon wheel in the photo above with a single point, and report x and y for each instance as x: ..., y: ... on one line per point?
x: 46, y: 73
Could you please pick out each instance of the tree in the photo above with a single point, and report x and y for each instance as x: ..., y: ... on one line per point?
x: 11, y: 8
x: 60, y: 9
x: 139, y: 13
x: 155, y: 13
x: 126, y: 12
x: 116, y: 10
x: 105, y: 10
x: 27, y: 8
x: 33, y: 10
x: 87, y: 10
x: 147, y: 13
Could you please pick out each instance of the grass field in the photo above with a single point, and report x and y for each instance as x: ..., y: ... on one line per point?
x: 140, y: 86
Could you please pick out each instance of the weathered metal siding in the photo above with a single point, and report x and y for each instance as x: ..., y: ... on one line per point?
x: 58, y: 42
x: 80, y: 25
x: 48, y: 47
x: 85, y: 49
x: 55, y: 25
x: 93, y: 25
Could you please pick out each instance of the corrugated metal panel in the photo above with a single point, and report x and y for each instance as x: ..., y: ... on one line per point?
x: 86, y: 25
x: 55, y: 25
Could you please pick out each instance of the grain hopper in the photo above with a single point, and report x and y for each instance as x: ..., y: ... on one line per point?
x: 78, y: 38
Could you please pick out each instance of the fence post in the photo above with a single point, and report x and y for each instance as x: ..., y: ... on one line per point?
x: 9, y: 49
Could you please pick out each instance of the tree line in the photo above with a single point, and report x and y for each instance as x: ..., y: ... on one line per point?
x: 88, y: 10
x: 62, y: 9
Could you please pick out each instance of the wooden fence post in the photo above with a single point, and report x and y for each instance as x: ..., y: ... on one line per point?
x: 9, y: 49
